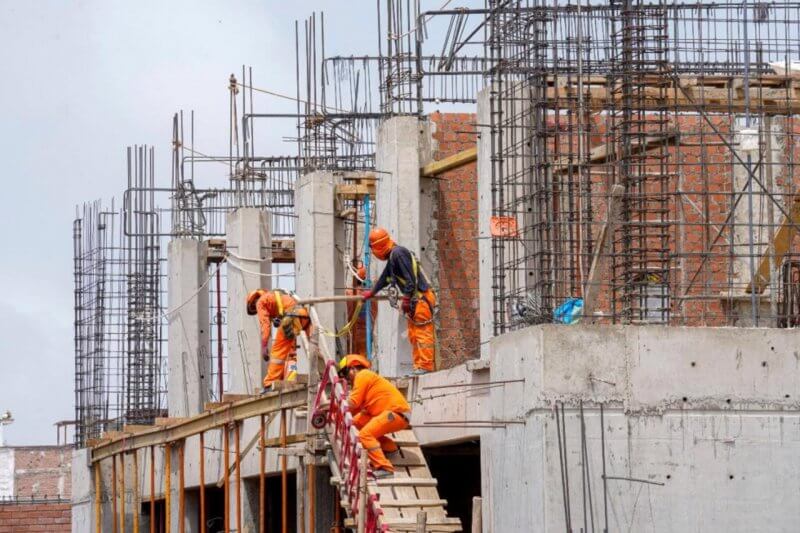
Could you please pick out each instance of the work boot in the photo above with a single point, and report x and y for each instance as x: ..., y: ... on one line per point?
x: 392, y: 455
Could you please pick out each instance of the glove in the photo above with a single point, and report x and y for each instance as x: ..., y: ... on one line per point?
x: 264, y: 350
x: 366, y: 295
x: 406, y: 305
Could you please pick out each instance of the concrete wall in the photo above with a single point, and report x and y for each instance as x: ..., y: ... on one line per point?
x: 404, y: 206
x: 703, y: 423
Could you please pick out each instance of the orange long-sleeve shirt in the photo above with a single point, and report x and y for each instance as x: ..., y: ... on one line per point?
x: 375, y: 394
x: 267, y: 309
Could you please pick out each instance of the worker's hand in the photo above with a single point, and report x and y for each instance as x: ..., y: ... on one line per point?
x: 406, y: 305
x: 264, y: 350
x: 367, y: 294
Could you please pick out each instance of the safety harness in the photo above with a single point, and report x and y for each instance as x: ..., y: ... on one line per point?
x: 416, y: 270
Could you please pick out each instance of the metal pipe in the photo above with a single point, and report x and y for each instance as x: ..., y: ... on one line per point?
x: 98, y: 512
x: 181, y: 488
x: 284, y: 476
x: 167, y: 486
x: 262, y: 467
x: 227, y: 468
x: 152, y: 489
x: 202, y: 460
x: 237, y: 463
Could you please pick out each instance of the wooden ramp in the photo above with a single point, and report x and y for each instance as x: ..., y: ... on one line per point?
x: 412, y: 489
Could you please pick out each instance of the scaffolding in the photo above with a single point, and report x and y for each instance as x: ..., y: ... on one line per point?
x: 643, y: 160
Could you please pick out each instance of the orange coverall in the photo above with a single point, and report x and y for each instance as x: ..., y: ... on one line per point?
x: 284, y: 347
x: 378, y: 408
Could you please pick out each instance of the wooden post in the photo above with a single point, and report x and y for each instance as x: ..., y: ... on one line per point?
x: 422, y: 522
x: 226, y: 465
x: 98, y: 494
x: 300, y: 487
x: 122, y: 492
x: 202, y: 460
x: 312, y: 497
x: 152, y: 489
x: 136, y: 495
x: 262, y: 467
x: 284, y: 477
x: 603, y: 248
x: 114, y: 492
x: 477, y: 514
x: 181, y: 489
x: 237, y: 458
x: 362, y: 491
x: 167, y: 486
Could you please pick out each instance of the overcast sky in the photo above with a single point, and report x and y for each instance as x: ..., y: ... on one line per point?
x: 81, y: 81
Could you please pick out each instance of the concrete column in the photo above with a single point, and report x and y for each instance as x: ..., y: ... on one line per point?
x: 250, y: 244
x: 319, y: 267
x: 188, y: 355
x: 405, y: 208
x: 486, y: 266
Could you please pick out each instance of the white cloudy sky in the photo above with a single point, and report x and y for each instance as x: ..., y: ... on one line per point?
x: 81, y: 80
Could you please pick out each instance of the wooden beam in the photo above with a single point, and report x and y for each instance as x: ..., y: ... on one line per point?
x: 184, y: 428
x: 605, y: 152
x: 355, y: 191
x: 781, y: 243
x: 460, y: 159
x: 602, y: 250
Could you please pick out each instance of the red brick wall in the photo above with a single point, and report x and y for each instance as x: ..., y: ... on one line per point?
x: 42, y: 472
x: 21, y: 517
x: 457, y: 242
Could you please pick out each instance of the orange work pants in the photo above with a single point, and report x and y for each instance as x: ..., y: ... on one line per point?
x: 372, y: 435
x: 421, y: 333
x: 283, y: 350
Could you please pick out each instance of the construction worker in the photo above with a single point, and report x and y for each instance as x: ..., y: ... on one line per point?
x: 404, y: 272
x: 358, y: 335
x: 279, y: 309
x: 378, y: 409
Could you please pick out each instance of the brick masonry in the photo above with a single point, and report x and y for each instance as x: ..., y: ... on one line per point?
x: 24, y: 517
x: 457, y: 242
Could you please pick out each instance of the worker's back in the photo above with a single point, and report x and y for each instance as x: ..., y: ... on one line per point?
x: 375, y: 394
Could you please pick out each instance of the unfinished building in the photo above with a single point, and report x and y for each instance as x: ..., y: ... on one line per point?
x: 606, y: 204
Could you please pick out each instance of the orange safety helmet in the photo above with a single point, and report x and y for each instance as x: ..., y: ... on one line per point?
x: 252, y: 300
x: 353, y: 360
x: 380, y: 243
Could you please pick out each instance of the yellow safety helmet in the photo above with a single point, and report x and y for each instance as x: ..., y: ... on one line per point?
x: 353, y: 360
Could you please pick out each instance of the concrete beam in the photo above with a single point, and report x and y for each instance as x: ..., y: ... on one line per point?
x: 188, y: 332
x: 249, y: 243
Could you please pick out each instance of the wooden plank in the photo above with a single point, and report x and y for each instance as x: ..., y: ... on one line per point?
x: 283, y: 251
x: 265, y: 404
x: 460, y: 159
x: 354, y: 191
x: 415, y: 503
x: 237, y: 397
x: 136, y: 428
x: 168, y: 421
x: 406, y: 482
x: 781, y: 242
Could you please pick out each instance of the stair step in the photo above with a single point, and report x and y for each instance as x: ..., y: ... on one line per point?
x: 432, y: 524
x: 413, y: 503
x: 405, y: 482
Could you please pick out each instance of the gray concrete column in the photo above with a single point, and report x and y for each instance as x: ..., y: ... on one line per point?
x: 405, y: 207
x: 486, y: 264
x: 319, y: 267
x: 188, y: 355
x: 250, y: 244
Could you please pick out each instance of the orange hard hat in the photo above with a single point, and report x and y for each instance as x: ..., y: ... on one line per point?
x: 252, y: 299
x: 362, y: 273
x: 380, y: 242
x: 353, y: 360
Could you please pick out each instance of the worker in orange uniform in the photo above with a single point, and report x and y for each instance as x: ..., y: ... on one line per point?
x: 279, y: 309
x: 359, y: 331
x: 404, y: 272
x: 378, y: 409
